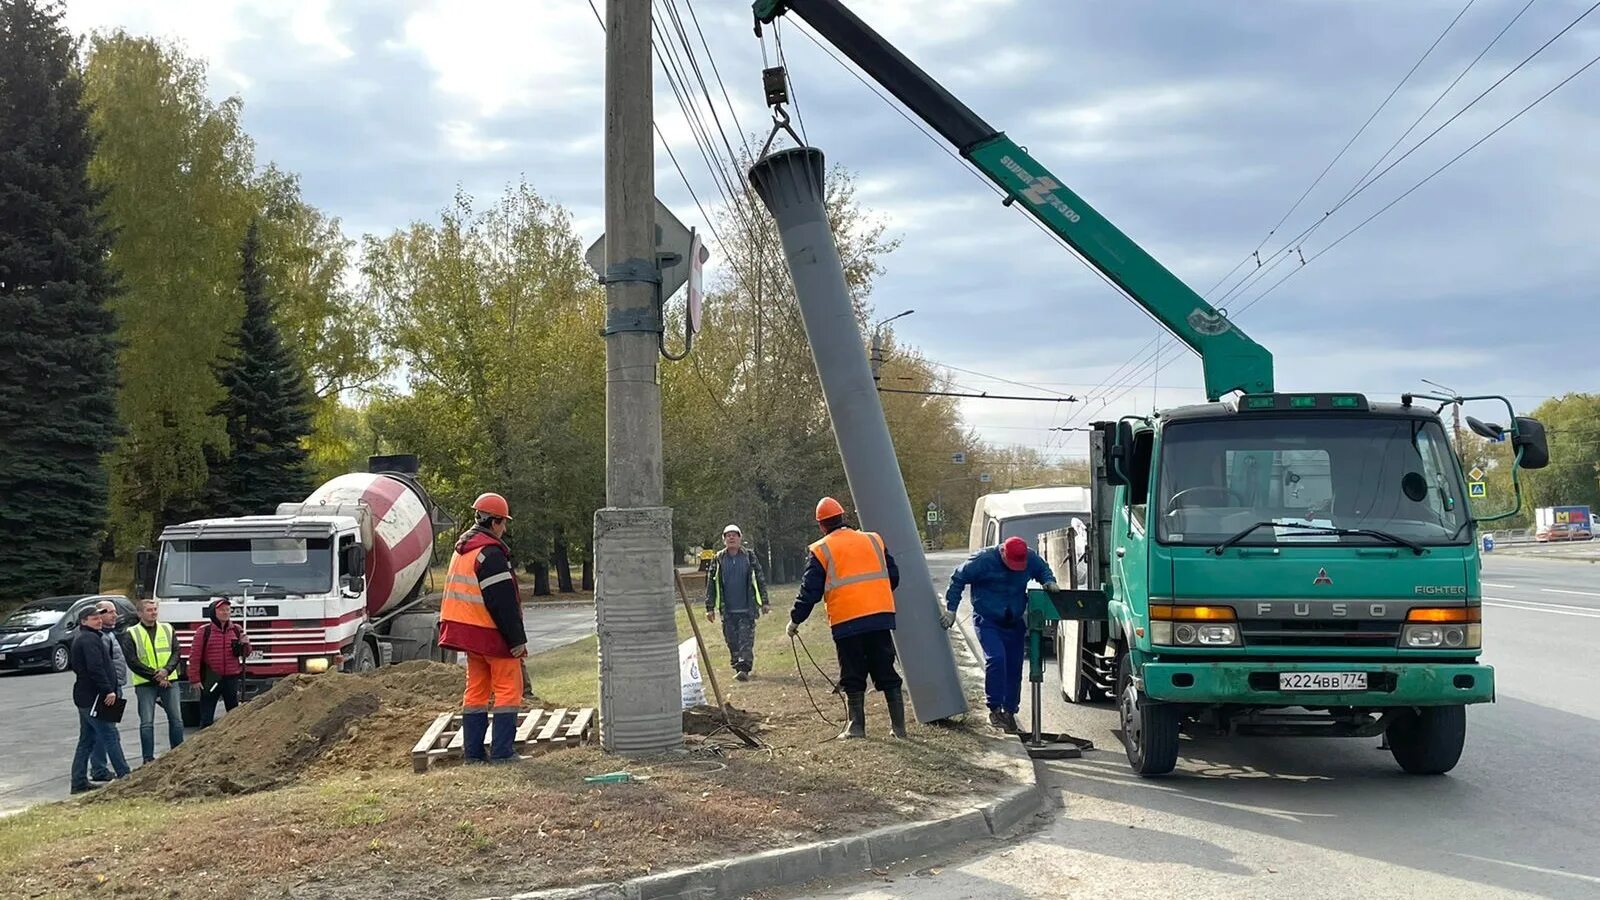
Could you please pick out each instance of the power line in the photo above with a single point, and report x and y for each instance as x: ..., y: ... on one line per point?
x: 977, y: 396
x: 1348, y: 144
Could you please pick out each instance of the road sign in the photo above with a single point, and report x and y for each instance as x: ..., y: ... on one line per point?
x: 959, y: 459
x: 671, y: 237
x: 697, y: 260
x: 1477, y: 490
x: 1476, y: 474
x: 932, y: 507
x: 933, y: 516
x: 985, y: 478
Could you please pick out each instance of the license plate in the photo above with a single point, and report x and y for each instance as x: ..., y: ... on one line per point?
x: 258, y: 655
x: 1332, y: 682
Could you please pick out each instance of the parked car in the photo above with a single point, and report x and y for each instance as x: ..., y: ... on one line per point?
x: 1562, y: 532
x: 39, y: 634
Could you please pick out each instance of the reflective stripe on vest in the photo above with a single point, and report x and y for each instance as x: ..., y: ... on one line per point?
x: 463, y: 596
x: 857, y: 570
x: 156, y: 654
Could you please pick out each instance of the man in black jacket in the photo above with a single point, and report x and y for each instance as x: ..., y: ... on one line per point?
x: 94, y: 692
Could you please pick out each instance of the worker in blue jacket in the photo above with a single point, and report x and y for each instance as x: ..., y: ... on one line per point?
x: 999, y: 579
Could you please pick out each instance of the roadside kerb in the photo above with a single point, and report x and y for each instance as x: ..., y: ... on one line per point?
x: 839, y: 858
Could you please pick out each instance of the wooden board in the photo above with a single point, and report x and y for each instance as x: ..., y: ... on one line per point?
x: 538, y: 731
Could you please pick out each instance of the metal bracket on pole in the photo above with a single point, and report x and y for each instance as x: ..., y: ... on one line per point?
x: 635, y: 318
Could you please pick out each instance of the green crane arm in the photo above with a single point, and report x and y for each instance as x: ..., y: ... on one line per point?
x: 1231, y: 360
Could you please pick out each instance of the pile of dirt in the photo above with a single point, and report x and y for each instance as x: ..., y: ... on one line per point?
x: 306, y: 722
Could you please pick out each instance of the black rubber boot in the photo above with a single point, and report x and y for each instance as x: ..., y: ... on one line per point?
x: 897, y: 711
x: 504, y: 733
x: 474, y: 726
x: 857, y: 726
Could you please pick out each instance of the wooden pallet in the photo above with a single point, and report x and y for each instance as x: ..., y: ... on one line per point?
x: 538, y: 731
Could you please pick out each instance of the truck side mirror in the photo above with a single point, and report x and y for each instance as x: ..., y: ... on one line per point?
x: 144, y: 574
x: 1119, y: 451
x: 354, y: 565
x: 1528, y: 439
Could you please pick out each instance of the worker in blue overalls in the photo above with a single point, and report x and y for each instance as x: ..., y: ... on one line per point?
x: 999, y: 579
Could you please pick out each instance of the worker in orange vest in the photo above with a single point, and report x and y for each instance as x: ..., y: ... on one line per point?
x: 481, y: 616
x: 853, y: 574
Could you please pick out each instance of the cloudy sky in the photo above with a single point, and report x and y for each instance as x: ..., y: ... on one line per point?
x: 1193, y: 125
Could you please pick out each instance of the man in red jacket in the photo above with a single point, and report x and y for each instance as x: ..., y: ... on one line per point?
x: 217, y: 659
x: 481, y: 616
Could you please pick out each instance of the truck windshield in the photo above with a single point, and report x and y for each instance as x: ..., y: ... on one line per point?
x: 213, y: 567
x: 1390, y: 474
x: 1030, y: 527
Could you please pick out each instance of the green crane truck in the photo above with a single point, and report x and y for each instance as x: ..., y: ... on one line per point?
x: 1272, y: 563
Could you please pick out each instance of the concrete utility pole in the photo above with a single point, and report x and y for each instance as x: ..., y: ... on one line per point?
x: 790, y: 184
x: 640, y: 703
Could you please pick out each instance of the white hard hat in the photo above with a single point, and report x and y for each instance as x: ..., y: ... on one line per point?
x: 734, y: 529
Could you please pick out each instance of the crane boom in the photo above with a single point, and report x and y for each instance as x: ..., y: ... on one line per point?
x: 1231, y: 360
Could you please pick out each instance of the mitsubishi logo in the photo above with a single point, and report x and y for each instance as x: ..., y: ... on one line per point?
x: 1322, y: 578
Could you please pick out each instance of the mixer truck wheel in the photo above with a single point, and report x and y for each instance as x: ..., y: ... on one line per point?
x: 1428, y: 740
x: 1149, y: 730
x: 363, y: 658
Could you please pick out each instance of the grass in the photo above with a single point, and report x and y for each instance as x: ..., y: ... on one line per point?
x: 460, y: 832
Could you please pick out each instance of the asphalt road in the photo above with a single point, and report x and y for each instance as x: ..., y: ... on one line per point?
x: 1333, y: 818
x: 41, y: 725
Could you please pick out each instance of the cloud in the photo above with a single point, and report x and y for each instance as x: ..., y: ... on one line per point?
x: 1194, y: 128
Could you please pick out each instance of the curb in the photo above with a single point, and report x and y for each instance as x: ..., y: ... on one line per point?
x: 842, y: 857
x: 810, y: 862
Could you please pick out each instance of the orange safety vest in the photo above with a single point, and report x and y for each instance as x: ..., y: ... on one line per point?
x: 857, y: 569
x: 463, y: 598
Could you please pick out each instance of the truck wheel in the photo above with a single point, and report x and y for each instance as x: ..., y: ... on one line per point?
x: 60, y: 658
x: 1149, y: 730
x: 420, y: 634
x: 363, y: 659
x: 1428, y: 740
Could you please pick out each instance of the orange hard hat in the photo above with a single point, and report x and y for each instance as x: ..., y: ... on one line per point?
x: 828, y: 508
x: 492, y: 505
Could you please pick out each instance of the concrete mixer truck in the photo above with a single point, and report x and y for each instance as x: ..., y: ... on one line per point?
x: 334, y: 582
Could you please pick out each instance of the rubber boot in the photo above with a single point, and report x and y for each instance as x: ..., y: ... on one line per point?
x: 500, y: 741
x: 857, y: 726
x: 474, y: 726
x: 897, y: 711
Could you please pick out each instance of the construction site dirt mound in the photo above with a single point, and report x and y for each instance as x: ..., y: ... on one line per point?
x: 708, y: 720
x: 304, y: 725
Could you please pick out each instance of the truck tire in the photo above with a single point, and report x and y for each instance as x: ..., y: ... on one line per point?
x: 1149, y: 730
x: 1428, y: 740
x: 362, y: 657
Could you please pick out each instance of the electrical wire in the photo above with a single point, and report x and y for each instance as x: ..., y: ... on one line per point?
x: 799, y: 669
x: 978, y: 396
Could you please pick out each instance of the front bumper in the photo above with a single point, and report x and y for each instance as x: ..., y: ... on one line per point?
x: 1255, y: 683
x: 25, y: 657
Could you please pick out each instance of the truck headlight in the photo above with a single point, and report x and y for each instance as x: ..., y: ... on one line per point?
x: 315, y: 665
x: 38, y: 637
x: 1193, y: 626
x: 1443, y: 628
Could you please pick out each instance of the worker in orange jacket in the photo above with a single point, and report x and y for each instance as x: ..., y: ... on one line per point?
x: 853, y: 574
x: 481, y: 616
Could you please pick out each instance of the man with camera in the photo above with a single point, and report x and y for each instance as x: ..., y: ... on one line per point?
x: 217, y: 659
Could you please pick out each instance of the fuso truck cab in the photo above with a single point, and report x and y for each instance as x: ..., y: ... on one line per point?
x: 1294, y: 564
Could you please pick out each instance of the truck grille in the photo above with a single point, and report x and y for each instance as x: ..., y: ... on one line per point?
x: 1324, y: 633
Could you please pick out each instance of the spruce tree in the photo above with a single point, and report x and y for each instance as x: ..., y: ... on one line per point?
x: 58, y: 382
x: 267, y: 410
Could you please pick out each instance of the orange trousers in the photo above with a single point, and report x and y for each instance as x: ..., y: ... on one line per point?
x: 500, y: 677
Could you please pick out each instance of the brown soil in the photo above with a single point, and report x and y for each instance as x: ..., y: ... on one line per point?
x: 305, y: 723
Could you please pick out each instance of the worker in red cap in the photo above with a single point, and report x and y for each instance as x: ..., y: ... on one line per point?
x: 481, y: 616
x: 853, y: 574
x: 999, y: 579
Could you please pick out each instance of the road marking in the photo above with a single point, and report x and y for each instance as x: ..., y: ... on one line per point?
x: 1573, y: 593
x: 1503, y: 587
x: 1556, y: 609
x: 1539, y: 869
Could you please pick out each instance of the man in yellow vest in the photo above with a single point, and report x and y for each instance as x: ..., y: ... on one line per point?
x: 481, y: 616
x: 852, y: 573
x: 151, y: 649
